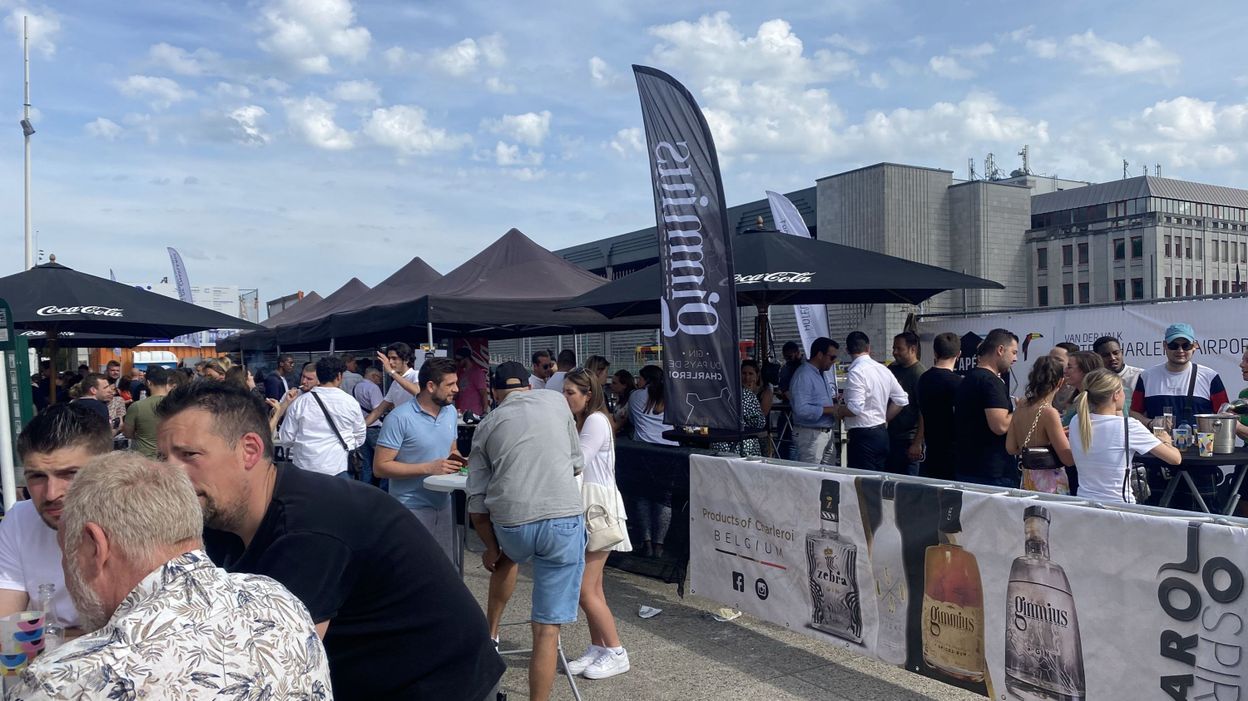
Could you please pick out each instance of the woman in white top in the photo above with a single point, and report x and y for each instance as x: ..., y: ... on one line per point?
x: 645, y: 407
x: 1096, y: 439
x: 606, y: 657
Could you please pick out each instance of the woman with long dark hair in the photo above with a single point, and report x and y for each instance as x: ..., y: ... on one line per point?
x: 622, y: 386
x: 1036, y: 433
x: 654, y: 505
x: 605, y: 657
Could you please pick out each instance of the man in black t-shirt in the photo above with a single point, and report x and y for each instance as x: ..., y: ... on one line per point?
x: 395, y: 618
x: 905, y: 425
x: 982, y: 408
x: 936, y: 391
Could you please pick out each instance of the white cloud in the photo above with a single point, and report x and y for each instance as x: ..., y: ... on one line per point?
x: 713, y: 47
x: 230, y: 91
x: 404, y: 129
x: 1146, y: 55
x: 357, y: 91
x: 470, y: 54
x: 530, y: 128
x: 948, y: 67
x: 509, y: 155
x: 398, y: 58
x: 976, y: 51
x: 42, y: 29
x: 307, y: 34
x: 977, y: 122
x: 159, y: 92
x: 498, y: 86
x: 103, y: 128
x: 247, y: 125
x: 628, y: 142
x: 180, y: 61
x: 313, y: 119
x: 877, y: 81
x: 855, y: 45
x: 1103, y: 56
x: 601, y: 74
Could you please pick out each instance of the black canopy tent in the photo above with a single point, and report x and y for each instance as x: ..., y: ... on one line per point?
x: 263, y: 339
x: 70, y: 339
x: 342, y: 298
x: 55, y: 299
x: 775, y: 268
x: 370, y: 318
x: 508, y: 290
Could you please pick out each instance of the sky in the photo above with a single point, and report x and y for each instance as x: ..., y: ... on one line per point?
x: 290, y: 145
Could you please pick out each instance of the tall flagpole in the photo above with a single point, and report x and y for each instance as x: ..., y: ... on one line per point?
x: 27, y: 130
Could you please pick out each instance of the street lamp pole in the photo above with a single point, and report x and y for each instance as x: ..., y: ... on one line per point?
x: 27, y: 130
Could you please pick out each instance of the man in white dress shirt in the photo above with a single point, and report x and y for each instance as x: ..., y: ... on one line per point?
x: 872, y: 398
x: 314, y: 442
x: 543, y: 368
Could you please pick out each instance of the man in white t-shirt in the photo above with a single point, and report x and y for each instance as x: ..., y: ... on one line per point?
x: 565, y: 363
x: 398, y: 365
x: 543, y: 366
x: 53, y: 446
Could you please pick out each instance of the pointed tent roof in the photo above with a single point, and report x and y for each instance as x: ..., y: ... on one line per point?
x: 341, y: 298
x: 289, y: 313
x: 375, y: 311
x: 407, y: 284
x: 514, y: 266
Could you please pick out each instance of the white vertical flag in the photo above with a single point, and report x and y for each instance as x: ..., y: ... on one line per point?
x: 183, y: 284
x: 812, y: 319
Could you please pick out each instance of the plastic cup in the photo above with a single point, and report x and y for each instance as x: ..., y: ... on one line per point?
x: 21, y: 639
x: 1205, y: 441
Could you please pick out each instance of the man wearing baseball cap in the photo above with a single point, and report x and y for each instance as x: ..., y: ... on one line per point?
x: 526, y: 504
x: 1179, y: 384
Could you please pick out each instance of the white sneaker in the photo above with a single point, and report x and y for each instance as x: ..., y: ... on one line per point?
x: 575, y: 667
x: 607, y: 665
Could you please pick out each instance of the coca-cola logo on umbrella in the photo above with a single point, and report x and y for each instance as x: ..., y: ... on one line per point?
x: 71, y: 311
x: 778, y: 276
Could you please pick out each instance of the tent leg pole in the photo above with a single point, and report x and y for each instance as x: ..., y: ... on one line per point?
x: 429, y: 333
x: 8, y: 474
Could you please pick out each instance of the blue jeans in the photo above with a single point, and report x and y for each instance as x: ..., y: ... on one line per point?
x: 367, y: 451
x: 556, y: 546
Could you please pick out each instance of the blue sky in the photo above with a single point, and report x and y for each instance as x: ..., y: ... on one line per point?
x: 292, y: 144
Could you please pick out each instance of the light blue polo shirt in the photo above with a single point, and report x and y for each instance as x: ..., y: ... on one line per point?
x: 418, y: 437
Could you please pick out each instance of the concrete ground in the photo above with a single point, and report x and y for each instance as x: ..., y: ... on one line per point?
x: 683, y: 653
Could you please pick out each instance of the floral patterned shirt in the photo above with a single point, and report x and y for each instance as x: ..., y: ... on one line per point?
x: 190, y: 631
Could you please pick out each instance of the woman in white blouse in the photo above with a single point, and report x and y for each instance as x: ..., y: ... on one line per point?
x: 606, y: 657
x: 1097, y: 439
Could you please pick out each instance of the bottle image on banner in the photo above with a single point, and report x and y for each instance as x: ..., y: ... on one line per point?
x: 953, y: 600
x: 833, y: 566
x: 1043, y: 653
x: 890, y: 580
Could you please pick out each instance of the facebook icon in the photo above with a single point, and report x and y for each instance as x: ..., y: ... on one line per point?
x: 738, y: 582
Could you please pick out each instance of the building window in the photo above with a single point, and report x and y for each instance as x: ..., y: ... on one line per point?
x: 1187, y: 247
x: 1137, y: 288
x: 1225, y: 255
x: 1042, y: 296
x: 1217, y: 286
x: 1243, y: 253
x: 1137, y: 247
x: 1068, y: 294
x: 1188, y: 287
x: 1042, y: 259
x: 1200, y: 287
x: 1083, y: 254
x: 1169, y: 288
x: 1120, y: 290
x: 1067, y: 255
x: 1213, y: 251
x: 1200, y: 249
x: 1167, y: 239
x: 1083, y: 293
x: 1120, y: 249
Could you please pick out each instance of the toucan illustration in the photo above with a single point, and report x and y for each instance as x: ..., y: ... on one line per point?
x: 1028, y: 339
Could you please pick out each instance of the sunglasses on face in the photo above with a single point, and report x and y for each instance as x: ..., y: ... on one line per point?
x: 547, y: 366
x: 1179, y: 345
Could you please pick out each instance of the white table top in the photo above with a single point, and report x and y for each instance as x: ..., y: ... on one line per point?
x: 447, y: 483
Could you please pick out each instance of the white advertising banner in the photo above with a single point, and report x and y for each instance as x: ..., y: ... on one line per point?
x: 812, y: 319
x: 1010, y: 595
x: 1140, y: 328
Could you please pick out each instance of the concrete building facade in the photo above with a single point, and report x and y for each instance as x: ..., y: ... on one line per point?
x: 1138, y: 238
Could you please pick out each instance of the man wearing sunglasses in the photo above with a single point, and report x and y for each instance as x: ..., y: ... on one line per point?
x: 1180, y: 384
x: 543, y: 368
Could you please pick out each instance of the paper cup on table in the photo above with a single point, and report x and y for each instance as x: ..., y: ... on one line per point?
x: 21, y: 639
x: 1205, y: 441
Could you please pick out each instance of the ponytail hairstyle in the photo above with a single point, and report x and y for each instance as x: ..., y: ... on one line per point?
x: 654, y: 376
x: 1099, y: 387
x: 1044, y: 377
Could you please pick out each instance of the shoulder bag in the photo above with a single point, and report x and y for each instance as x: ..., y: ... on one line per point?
x: 1136, y: 477
x: 355, y: 459
x: 1041, y: 457
x: 602, y: 523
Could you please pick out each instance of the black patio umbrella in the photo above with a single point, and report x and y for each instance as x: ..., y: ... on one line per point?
x: 54, y: 299
x: 775, y: 268
x: 71, y: 339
